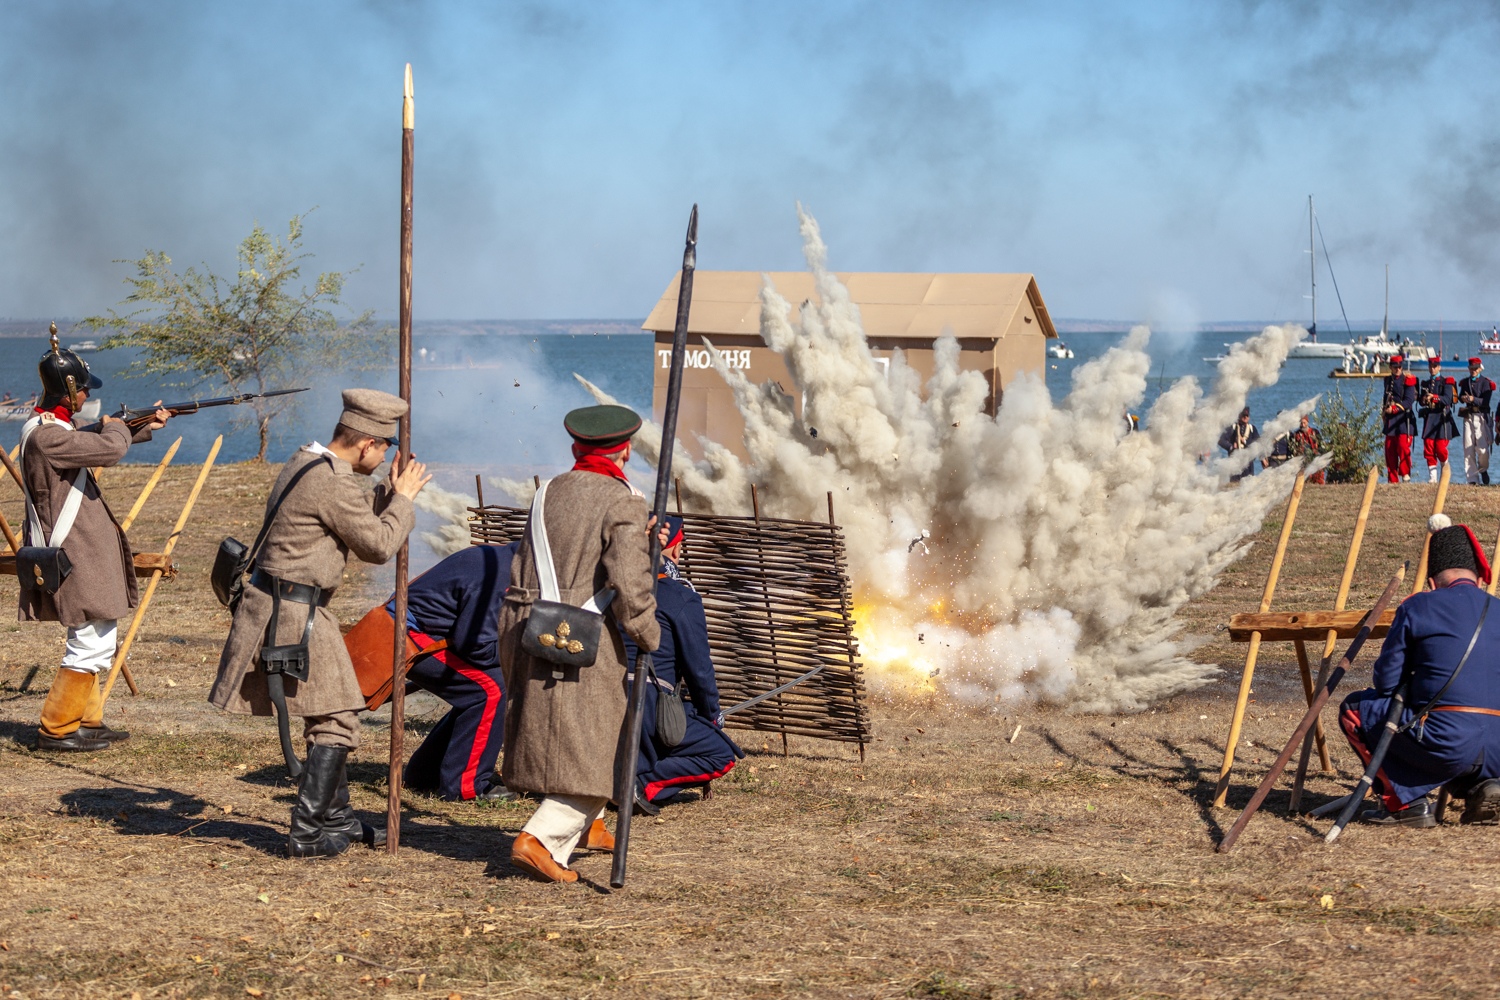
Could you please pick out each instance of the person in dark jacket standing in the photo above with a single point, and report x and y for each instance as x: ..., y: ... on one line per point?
x: 1238, y: 436
x: 65, y: 509
x: 704, y: 753
x: 1438, y: 395
x: 1451, y: 719
x: 1474, y: 394
x: 457, y: 602
x: 1398, y: 417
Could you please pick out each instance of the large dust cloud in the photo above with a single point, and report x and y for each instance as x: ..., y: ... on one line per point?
x: 1041, y: 554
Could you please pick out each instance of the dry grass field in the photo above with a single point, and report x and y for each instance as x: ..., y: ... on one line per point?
x: 1077, y: 860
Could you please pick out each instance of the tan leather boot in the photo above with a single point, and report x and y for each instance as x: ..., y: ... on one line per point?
x: 63, y: 711
x: 93, y: 726
x: 529, y: 855
x: 598, y: 838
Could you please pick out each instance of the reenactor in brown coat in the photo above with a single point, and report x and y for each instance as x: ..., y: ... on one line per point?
x: 320, y: 511
x: 565, y: 724
x: 64, y: 509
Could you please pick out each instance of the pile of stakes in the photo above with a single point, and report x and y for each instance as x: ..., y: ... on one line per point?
x: 776, y: 595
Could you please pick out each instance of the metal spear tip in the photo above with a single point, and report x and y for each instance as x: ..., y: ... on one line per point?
x: 692, y: 236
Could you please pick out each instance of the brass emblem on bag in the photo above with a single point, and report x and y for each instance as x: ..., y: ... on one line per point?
x: 560, y: 640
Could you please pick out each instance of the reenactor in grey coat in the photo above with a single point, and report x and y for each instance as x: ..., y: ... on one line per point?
x: 64, y: 509
x: 320, y: 511
x: 564, y: 724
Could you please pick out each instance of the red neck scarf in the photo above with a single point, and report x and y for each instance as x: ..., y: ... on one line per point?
x: 60, y: 411
x: 588, y: 458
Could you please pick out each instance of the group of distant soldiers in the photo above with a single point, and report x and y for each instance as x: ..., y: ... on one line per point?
x: 1447, y: 409
x: 559, y: 727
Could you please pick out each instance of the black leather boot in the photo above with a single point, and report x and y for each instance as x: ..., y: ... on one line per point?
x: 341, y: 818
x: 104, y: 733
x: 1482, y: 804
x: 311, y: 835
x: 1418, y: 814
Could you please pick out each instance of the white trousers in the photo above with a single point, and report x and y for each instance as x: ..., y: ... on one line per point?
x: 91, y: 646
x: 561, y: 820
x: 1478, y: 436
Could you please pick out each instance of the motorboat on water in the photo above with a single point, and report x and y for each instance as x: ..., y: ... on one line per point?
x: 1059, y: 350
x: 1489, y: 344
x: 83, y: 346
x: 12, y: 410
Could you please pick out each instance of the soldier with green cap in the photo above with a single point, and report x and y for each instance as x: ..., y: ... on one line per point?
x: 320, y: 510
x: 586, y: 543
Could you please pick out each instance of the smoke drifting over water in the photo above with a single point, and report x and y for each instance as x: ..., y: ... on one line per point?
x: 1041, y: 554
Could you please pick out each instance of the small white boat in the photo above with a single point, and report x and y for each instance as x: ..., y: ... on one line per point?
x: 83, y: 346
x: 1059, y: 350
x: 1316, y: 349
x: 1490, y: 344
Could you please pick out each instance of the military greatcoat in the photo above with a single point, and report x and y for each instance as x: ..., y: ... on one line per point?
x: 102, y: 583
x: 329, y: 514
x: 561, y: 735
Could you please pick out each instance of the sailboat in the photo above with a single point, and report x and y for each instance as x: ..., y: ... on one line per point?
x: 1312, y: 347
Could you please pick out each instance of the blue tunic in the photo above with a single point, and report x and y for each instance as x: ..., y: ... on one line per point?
x: 1437, y: 417
x: 1479, y: 389
x: 1427, y: 640
x: 1400, y: 392
x: 704, y: 753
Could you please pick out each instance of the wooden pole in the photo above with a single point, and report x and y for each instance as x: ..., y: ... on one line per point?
x: 140, y: 501
x: 1494, y: 573
x: 10, y: 466
x: 1305, y: 669
x: 1253, y: 652
x: 775, y: 660
x: 479, y: 489
x: 1437, y: 508
x: 403, y: 451
x: 140, y: 609
x: 10, y: 536
x: 1351, y: 560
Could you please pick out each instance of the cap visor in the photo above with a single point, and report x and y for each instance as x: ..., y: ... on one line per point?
x: 94, y: 381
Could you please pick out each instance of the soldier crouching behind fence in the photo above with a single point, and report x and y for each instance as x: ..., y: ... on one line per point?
x: 318, y: 512
x: 65, y: 511
x: 564, y: 725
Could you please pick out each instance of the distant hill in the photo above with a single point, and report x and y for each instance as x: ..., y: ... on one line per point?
x: 435, y: 327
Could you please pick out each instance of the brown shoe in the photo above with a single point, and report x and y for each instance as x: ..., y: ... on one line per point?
x: 528, y: 854
x: 598, y: 838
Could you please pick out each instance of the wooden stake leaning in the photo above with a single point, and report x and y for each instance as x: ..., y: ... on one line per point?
x: 1326, y: 664
x: 1494, y: 573
x: 140, y: 501
x: 403, y: 452
x: 1367, y: 624
x: 140, y: 610
x: 10, y: 466
x: 1437, y: 508
x: 10, y: 536
x: 1246, y: 678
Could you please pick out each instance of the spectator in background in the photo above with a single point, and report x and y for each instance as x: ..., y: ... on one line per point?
x: 1237, y: 436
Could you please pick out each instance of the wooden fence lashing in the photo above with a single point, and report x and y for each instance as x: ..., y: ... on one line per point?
x: 777, y: 599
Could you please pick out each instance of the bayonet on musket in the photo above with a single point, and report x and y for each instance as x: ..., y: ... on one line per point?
x: 141, y: 416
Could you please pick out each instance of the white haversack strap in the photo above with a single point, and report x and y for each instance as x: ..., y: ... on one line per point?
x: 69, y: 512
x: 546, y: 572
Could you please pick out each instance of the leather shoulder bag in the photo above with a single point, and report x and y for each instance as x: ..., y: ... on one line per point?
x: 556, y: 632
x: 44, y: 567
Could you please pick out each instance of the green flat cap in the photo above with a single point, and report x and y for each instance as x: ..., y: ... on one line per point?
x: 372, y: 412
x: 602, y: 426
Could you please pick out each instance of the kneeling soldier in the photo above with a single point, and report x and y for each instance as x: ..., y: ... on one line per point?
x: 1446, y: 653
x: 318, y: 512
x: 64, y: 510
x: 704, y: 752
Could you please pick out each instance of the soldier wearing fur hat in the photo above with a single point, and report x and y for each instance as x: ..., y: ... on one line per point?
x: 319, y: 511
x: 1474, y: 394
x: 65, y: 510
x: 585, y: 544
x: 1445, y: 653
x: 1398, y: 417
x: 1439, y: 394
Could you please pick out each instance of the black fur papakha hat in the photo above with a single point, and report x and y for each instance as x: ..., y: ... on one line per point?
x: 1453, y: 546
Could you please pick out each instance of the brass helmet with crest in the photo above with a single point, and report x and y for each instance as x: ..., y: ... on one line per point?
x: 65, y: 377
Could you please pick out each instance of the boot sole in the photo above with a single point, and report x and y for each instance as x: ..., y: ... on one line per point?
x: 538, y: 874
x: 94, y: 746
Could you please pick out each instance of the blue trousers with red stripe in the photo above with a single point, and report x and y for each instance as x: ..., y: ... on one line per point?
x: 457, y: 759
x: 702, y: 756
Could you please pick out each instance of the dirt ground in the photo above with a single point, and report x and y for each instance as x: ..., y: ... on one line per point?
x: 1075, y: 860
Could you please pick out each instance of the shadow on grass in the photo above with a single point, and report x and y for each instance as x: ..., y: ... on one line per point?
x: 168, y: 812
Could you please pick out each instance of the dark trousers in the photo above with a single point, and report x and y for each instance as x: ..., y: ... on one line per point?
x: 702, y: 756
x: 457, y: 759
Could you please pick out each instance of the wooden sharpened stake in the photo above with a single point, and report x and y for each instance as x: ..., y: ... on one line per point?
x: 140, y: 609
x: 140, y: 501
x: 1248, y: 676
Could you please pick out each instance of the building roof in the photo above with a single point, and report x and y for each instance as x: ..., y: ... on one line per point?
x: 891, y: 305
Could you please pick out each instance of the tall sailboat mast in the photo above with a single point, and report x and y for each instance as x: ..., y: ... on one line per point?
x: 1312, y: 265
x: 1385, y: 324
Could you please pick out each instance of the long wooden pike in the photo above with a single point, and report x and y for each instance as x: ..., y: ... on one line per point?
x: 1313, y: 710
x: 140, y: 501
x: 140, y: 609
x: 403, y: 452
x: 1494, y: 571
x: 1326, y: 663
x: 1247, y: 677
x: 10, y: 536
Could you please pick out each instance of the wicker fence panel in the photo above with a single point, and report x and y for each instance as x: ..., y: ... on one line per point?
x: 776, y: 596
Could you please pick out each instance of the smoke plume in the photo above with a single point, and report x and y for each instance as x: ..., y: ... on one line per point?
x: 1040, y: 554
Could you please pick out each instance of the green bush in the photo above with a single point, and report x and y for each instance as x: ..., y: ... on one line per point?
x: 1351, y: 432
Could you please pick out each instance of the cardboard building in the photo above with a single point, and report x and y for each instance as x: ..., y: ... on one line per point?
x: 1000, y: 321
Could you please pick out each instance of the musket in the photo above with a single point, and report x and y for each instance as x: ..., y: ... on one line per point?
x: 629, y: 758
x: 141, y: 416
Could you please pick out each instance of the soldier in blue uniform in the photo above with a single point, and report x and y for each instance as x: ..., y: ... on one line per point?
x: 1451, y: 720
x: 705, y: 752
x: 458, y: 600
x: 1438, y: 396
x: 1474, y: 394
x: 1398, y: 415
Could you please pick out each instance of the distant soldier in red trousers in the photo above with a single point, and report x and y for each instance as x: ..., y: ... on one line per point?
x: 1399, y: 420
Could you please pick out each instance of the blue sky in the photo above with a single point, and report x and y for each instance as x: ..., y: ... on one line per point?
x: 1147, y: 161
